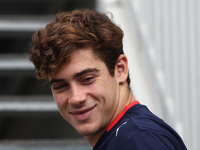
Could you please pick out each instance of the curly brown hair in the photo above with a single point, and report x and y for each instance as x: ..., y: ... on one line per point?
x: 69, y: 31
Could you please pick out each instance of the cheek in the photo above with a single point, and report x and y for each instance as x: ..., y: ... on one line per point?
x: 106, y: 94
x: 59, y: 100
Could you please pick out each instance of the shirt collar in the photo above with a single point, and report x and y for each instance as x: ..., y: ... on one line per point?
x: 121, y: 114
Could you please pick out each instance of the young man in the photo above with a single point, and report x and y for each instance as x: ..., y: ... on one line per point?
x: 81, y: 54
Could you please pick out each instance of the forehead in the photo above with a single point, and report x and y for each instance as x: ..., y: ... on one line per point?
x: 82, y: 55
x: 79, y: 60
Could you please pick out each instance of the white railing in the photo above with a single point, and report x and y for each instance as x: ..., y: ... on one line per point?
x: 169, y: 31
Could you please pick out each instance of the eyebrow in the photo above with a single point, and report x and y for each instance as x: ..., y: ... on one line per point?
x: 55, y: 81
x: 85, y: 71
x: 88, y: 70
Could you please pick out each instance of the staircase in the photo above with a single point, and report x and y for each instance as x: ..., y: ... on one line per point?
x: 28, y: 114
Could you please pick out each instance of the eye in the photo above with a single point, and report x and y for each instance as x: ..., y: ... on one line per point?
x: 87, y: 80
x: 60, y: 87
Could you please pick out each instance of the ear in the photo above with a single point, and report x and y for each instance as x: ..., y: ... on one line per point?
x: 121, y: 68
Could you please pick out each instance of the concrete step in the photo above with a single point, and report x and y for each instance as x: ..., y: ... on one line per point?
x: 72, y: 144
x: 27, y: 104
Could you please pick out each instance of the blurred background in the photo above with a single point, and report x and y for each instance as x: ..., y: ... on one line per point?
x: 162, y: 42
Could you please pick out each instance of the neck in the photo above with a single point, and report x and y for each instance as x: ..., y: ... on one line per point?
x: 94, y: 139
x: 126, y: 97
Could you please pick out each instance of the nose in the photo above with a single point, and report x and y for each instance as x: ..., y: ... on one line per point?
x: 77, y: 96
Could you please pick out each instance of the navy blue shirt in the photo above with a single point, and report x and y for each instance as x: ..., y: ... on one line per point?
x: 136, y: 128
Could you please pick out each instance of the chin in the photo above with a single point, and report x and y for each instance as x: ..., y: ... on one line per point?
x: 87, y: 129
x: 86, y: 132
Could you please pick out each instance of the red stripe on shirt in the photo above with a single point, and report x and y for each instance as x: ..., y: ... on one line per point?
x: 121, y: 114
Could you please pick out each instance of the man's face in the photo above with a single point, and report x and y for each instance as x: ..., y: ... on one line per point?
x: 85, y: 93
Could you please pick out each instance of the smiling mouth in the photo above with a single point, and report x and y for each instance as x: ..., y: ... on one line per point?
x: 83, y: 115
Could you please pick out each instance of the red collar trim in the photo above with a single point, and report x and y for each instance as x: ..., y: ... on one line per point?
x: 121, y: 114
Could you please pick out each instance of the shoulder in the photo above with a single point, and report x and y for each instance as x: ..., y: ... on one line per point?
x: 147, y: 131
x: 131, y: 135
x: 140, y: 129
x: 152, y: 141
